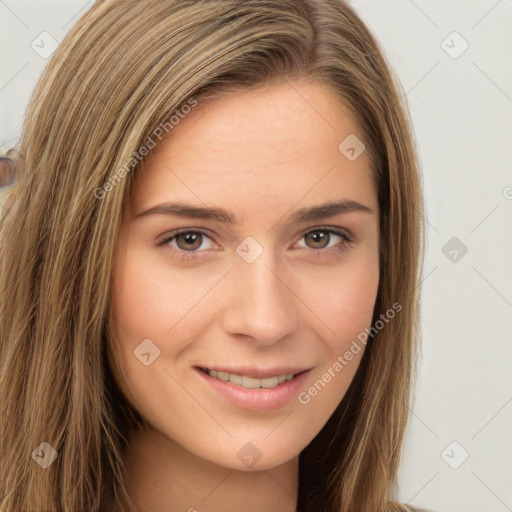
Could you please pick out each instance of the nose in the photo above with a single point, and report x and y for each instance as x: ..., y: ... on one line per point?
x: 259, y: 303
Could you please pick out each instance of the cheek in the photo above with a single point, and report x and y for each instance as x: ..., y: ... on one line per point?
x: 346, y: 306
x: 149, y: 298
x: 356, y: 301
x: 344, y: 298
x: 137, y: 296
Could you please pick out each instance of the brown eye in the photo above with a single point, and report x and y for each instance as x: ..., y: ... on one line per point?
x: 326, y: 241
x: 318, y: 239
x: 189, y: 241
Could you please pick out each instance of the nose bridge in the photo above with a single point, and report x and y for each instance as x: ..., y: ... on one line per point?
x: 260, y: 303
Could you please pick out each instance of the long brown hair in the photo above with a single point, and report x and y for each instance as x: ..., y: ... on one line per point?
x: 123, y: 70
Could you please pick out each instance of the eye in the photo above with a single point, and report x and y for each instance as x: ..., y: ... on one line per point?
x: 188, y: 241
x: 327, y: 240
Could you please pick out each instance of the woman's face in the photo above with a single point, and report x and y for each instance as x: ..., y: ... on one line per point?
x: 261, y: 285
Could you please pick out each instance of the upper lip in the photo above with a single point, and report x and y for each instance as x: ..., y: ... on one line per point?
x: 258, y: 373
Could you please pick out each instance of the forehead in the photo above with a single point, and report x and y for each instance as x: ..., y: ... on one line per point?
x: 270, y: 145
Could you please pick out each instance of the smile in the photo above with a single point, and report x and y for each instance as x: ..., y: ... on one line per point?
x: 249, y: 382
x: 255, y: 389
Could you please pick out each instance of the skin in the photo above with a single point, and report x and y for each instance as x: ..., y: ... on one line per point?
x: 263, y: 154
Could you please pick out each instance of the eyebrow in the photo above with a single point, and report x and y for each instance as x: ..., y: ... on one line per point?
x: 309, y: 214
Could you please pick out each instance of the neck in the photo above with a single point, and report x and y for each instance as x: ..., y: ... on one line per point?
x: 163, y: 476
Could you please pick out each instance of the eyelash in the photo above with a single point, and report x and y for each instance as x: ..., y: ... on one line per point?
x: 191, y: 255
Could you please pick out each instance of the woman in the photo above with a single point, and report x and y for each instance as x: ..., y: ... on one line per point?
x: 214, y: 303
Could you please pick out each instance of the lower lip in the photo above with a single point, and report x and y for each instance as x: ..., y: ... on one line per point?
x: 259, y: 399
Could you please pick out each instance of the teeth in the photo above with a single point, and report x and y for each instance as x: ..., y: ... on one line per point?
x: 235, y: 379
x: 250, y: 382
x: 271, y: 382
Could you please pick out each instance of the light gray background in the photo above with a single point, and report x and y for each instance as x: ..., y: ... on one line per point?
x: 462, y: 114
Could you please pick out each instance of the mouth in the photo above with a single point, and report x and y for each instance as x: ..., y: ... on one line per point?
x: 255, y: 389
x: 251, y: 382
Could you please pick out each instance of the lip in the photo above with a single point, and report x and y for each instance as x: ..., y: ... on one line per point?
x: 257, y: 373
x: 259, y: 399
